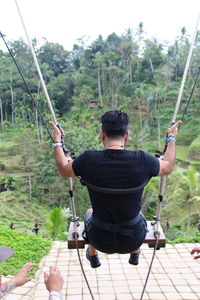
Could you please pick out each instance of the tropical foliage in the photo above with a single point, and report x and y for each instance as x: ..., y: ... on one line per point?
x: 130, y: 72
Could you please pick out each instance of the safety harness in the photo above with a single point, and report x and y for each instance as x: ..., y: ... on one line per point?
x: 114, y: 191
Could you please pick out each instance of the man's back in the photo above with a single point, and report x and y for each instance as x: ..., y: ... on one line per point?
x: 116, y: 169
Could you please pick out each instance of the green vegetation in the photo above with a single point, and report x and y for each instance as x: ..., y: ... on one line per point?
x: 194, y: 149
x: 184, y: 158
x: 58, y: 221
x: 16, y: 207
x: 128, y: 72
x: 27, y: 248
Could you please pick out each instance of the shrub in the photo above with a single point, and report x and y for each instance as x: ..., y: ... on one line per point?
x: 27, y: 248
x: 2, y: 166
x: 6, y: 182
x: 58, y: 221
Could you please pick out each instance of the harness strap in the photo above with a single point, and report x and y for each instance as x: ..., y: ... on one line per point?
x: 112, y: 191
x: 120, y: 228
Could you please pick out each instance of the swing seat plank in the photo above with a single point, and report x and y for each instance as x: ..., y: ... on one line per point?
x: 150, y: 238
x: 73, y: 229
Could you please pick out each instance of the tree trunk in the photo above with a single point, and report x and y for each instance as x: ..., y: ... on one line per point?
x: 130, y: 71
x: 152, y: 70
x: 12, y: 104
x: 36, y: 117
x: 30, y: 187
x: 158, y: 124
x: 1, y: 113
x: 12, y: 97
x: 99, y: 86
x: 140, y: 112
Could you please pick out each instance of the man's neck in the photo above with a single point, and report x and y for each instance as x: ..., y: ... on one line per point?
x: 115, y: 145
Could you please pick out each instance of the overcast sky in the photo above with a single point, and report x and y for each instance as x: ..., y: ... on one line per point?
x: 65, y: 21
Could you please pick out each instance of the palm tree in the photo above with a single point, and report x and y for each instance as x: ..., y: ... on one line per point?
x: 193, y: 194
x: 1, y: 114
x: 57, y: 222
x: 98, y: 60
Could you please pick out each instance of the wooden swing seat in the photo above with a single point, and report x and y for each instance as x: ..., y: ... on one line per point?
x: 75, y: 230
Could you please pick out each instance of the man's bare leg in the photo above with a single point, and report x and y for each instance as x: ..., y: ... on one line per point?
x: 136, y: 251
x: 92, y: 250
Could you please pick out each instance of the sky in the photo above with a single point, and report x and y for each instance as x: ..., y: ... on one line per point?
x: 65, y: 21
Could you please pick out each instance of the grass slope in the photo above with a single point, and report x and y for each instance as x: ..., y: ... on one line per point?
x: 182, y: 156
x: 17, y: 208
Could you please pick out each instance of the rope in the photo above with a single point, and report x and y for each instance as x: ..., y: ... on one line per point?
x: 162, y: 183
x: 163, y: 178
x: 26, y: 86
x: 48, y: 101
x: 81, y: 264
x: 150, y: 266
x: 37, y: 65
x: 160, y: 198
x: 189, y: 100
x: 186, y: 70
x: 72, y: 203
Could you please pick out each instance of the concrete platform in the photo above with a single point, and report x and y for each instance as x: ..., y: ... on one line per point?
x: 175, y: 276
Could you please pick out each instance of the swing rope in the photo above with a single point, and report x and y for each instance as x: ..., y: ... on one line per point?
x: 150, y: 267
x: 72, y: 203
x: 186, y: 70
x: 37, y: 65
x: 190, y: 97
x: 164, y: 177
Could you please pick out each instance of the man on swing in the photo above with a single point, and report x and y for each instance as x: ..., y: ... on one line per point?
x: 114, y: 224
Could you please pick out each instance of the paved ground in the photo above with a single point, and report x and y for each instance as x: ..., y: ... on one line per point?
x: 175, y: 276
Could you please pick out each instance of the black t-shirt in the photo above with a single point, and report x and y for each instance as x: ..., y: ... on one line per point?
x: 115, y: 169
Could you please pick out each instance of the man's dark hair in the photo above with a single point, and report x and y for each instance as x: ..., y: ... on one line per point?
x: 115, y: 123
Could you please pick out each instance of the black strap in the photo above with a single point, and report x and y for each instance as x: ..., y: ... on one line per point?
x: 124, y: 191
x: 125, y: 228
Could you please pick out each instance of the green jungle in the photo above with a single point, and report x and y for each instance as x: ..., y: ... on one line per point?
x: 128, y: 72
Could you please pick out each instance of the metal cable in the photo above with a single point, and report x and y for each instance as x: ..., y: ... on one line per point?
x: 163, y: 178
x: 72, y: 204
x: 191, y: 94
x: 26, y: 86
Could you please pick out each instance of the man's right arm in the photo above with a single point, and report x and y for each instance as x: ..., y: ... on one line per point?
x: 168, y: 162
x: 64, y: 163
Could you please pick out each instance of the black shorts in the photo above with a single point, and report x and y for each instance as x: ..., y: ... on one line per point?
x: 112, y: 242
